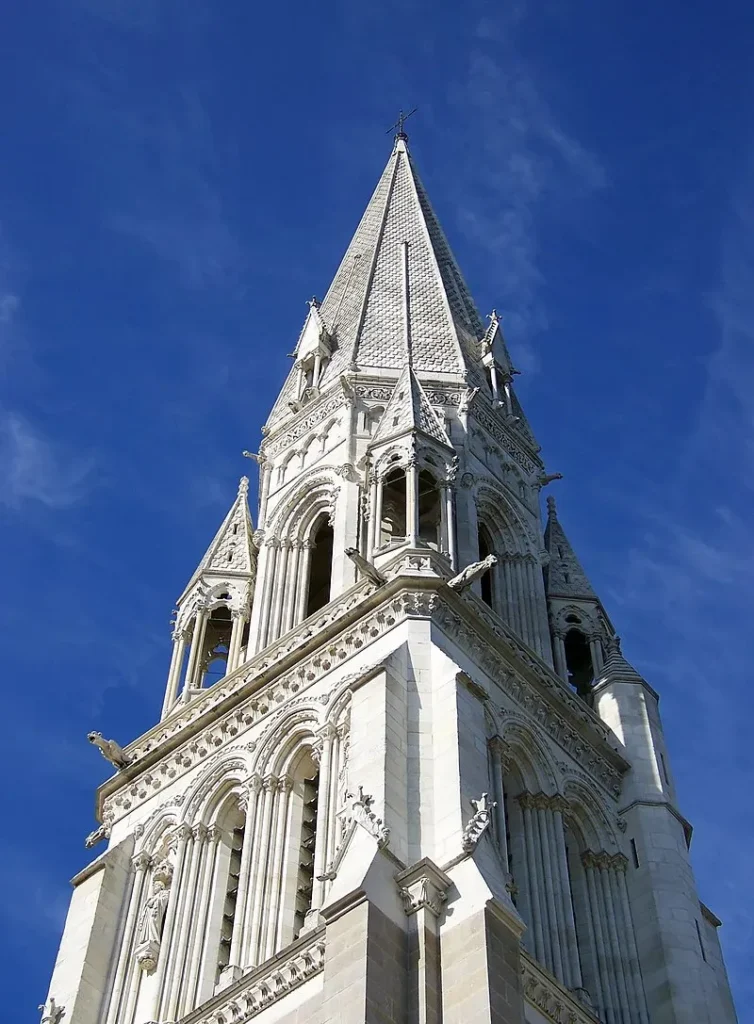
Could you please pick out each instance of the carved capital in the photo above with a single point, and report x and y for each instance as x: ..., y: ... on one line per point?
x: 270, y: 783
x: 285, y: 783
x: 141, y: 861
x: 423, y: 886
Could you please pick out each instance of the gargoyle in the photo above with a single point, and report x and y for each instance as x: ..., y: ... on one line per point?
x: 472, y: 572
x: 103, y: 832
x: 110, y: 750
x: 366, y: 568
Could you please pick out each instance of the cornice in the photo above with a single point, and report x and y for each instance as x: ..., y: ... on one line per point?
x: 264, y: 985
x: 554, y: 1001
x: 348, y: 625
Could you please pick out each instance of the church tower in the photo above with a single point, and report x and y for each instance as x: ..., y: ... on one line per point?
x: 403, y: 773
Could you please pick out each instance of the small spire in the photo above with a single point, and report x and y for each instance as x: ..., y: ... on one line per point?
x: 552, y: 510
x: 243, y: 487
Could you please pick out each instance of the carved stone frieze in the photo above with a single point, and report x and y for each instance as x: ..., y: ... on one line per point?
x: 263, y: 986
x: 369, y: 626
x: 302, y: 426
x: 504, y: 437
x: 550, y: 998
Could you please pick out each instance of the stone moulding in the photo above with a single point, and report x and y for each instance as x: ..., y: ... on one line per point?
x: 265, y: 984
x: 542, y: 991
x: 303, y: 656
x: 271, y: 447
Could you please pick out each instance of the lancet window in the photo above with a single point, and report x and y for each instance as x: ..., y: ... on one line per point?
x: 430, y: 510
x: 393, y: 511
x: 577, y: 650
x: 320, y: 571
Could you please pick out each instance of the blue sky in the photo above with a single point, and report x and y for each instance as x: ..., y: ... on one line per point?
x: 178, y: 177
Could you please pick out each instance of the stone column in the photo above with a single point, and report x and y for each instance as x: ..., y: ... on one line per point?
x: 605, y: 872
x: 265, y: 477
x: 194, y: 668
x: 127, y: 971
x: 498, y: 751
x: 377, y: 512
x: 174, y: 675
x: 412, y: 503
x: 288, y: 602
x: 423, y: 889
x: 267, y: 574
x: 633, y: 969
x: 247, y: 857
x: 327, y: 734
x: 368, y: 519
x: 280, y: 590
x: 570, y: 942
x: 611, y: 1003
x: 190, y: 998
x: 172, y: 920
x: 259, y: 872
x: 302, y: 585
x: 550, y: 923
x: 236, y: 637
x: 535, y: 880
x: 178, y: 953
x: 595, y: 648
x: 277, y: 844
x: 558, y: 652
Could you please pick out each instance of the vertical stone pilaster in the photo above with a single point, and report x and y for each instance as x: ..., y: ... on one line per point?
x: 481, y: 976
x: 423, y: 889
x: 365, y: 965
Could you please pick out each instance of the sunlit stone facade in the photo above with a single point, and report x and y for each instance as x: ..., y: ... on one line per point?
x: 403, y: 773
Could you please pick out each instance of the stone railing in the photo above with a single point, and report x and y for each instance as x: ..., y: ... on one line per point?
x: 550, y: 998
x: 264, y: 985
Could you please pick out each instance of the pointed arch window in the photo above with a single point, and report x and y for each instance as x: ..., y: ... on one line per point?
x: 320, y: 571
x: 393, y: 520
x: 486, y: 548
x: 216, y: 645
x: 430, y: 510
x: 578, y: 657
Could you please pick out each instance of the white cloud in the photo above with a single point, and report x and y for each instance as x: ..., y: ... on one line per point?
x: 33, y: 468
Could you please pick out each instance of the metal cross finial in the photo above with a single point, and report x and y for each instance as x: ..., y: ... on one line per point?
x: 402, y: 118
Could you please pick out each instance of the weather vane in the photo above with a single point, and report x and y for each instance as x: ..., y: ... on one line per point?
x: 402, y: 118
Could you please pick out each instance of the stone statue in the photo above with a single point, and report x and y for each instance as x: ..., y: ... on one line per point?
x: 51, y: 1012
x: 153, y: 914
x: 472, y: 572
x: 365, y: 568
x: 152, y: 920
x: 110, y: 750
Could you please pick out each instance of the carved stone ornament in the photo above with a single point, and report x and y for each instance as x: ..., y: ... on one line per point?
x: 424, y: 886
x: 103, y: 832
x: 362, y: 813
x: 153, y: 918
x: 110, y: 750
x: 51, y: 1012
x: 478, y: 822
x: 471, y: 573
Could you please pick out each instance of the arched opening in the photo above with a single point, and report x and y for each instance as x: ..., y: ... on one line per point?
x: 393, y: 522
x: 298, y: 869
x: 216, y: 645
x: 579, y: 666
x: 320, y: 571
x: 231, y: 822
x: 484, y: 541
x: 430, y: 515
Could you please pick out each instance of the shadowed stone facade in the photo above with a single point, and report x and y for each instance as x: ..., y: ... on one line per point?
x: 403, y: 773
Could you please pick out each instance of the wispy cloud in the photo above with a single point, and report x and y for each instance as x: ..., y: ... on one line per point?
x: 34, y: 468
x: 693, y: 570
x: 526, y: 164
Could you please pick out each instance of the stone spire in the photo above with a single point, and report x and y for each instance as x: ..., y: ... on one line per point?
x: 363, y: 312
x: 616, y: 669
x: 564, y: 575
x: 409, y: 410
x: 232, y: 550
